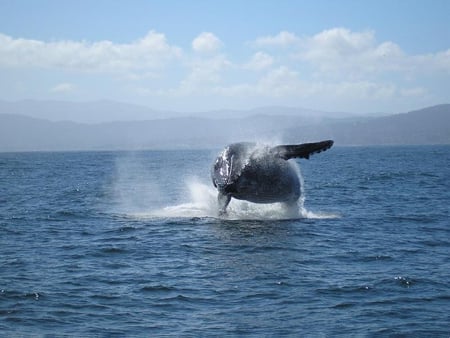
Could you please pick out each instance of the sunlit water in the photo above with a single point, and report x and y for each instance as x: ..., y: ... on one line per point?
x: 129, y: 244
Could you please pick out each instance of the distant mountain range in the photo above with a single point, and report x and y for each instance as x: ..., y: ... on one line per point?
x: 29, y: 126
x: 420, y: 127
x: 83, y: 112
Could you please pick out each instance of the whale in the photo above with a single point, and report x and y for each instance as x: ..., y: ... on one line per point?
x: 260, y: 173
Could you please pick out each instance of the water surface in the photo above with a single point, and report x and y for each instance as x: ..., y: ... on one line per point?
x: 120, y: 243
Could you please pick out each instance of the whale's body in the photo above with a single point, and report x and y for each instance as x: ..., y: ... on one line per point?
x: 260, y: 174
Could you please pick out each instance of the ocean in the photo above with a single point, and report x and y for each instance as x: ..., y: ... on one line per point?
x: 115, y: 244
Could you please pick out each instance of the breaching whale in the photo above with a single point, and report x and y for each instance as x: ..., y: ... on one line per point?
x: 260, y: 174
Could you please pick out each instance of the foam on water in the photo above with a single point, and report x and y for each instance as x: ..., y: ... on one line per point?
x: 203, y: 203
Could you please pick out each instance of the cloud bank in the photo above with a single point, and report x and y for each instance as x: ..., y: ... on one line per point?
x: 149, y: 52
x: 337, y: 65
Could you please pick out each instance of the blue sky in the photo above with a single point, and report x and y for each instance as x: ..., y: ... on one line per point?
x: 353, y: 56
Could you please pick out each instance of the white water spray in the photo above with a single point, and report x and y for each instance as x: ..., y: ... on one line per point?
x: 137, y: 193
x: 202, y: 203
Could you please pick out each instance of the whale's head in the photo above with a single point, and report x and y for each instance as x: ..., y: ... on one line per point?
x: 229, y: 164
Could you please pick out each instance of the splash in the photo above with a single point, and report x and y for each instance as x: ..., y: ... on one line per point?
x: 137, y: 194
x: 203, y: 203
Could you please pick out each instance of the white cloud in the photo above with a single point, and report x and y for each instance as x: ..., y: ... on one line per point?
x: 206, y: 42
x: 341, y: 41
x: 150, y: 52
x: 343, y: 54
x: 282, y: 39
x: 279, y: 82
x: 341, y: 51
x: 208, y: 70
x: 285, y: 83
x: 203, y: 75
x: 442, y: 60
x: 337, y: 65
x: 439, y: 62
x: 259, y: 61
x: 64, y: 87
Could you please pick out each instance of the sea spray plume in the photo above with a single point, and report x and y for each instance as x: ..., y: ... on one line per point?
x: 201, y: 202
x: 261, y: 174
x: 133, y: 186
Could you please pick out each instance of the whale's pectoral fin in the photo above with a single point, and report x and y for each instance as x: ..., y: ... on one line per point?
x: 224, y: 200
x: 301, y: 150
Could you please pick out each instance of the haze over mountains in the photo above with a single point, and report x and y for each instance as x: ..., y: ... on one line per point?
x: 110, y: 111
x: 105, y: 125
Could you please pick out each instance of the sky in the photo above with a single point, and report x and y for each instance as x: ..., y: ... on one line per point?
x: 188, y: 56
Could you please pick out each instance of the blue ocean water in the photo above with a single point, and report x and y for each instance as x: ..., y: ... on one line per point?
x: 128, y: 244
